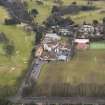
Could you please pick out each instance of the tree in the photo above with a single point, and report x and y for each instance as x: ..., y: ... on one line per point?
x: 25, y: 4
x: 39, y: 34
x: 55, y: 9
x: 34, y: 12
x: 3, y: 38
x: 56, y: 19
x: 90, y: 2
x: 104, y: 26
x: 5, y: 102
x: 38, y: 37
x: 12, y: 21
x: 9, y: 49
x: 74, y: 3
x: 95, y: 22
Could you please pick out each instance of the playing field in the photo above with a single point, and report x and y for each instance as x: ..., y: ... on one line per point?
x: 87, y: 68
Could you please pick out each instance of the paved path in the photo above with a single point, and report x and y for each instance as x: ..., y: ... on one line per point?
x: 34, y: 73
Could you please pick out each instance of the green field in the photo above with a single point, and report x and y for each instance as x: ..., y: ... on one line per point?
x: 12, y: 69
x: 87, y: 67
x: 44, y: 11
x: 97, y: 45
x: 23, y: 47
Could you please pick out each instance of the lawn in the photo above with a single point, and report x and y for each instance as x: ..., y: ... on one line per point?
x: 87, y: 67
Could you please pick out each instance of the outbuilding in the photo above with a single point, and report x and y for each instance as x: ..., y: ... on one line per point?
x: 82, y: 43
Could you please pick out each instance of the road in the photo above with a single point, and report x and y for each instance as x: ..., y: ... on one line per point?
x: 62, y: 100
x: 36, y: 69
x: 34, y: 73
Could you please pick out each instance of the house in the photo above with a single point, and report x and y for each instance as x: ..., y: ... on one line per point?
x: 81, y: 43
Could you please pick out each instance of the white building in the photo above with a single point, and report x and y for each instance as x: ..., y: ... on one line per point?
x: 52, y: 36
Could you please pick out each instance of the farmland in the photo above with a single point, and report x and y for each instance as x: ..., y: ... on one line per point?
x: 84, y: 75
x: 44, y: 11
x: 11, y: 69
x: 83, y: 68
x: 87, y: 67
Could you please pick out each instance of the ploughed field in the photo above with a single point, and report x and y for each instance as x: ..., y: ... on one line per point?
x: 84, y: 75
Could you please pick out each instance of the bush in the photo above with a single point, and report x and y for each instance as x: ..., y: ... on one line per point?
x: 55, y: 9
x: 9, y: 49
x: 34, y: 12
x: 88, y: 8
x: 11, y: 21
x: 55, y: 20
x: 3, y: 38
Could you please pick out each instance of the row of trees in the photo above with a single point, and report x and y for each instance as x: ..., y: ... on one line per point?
x: 73, y: 8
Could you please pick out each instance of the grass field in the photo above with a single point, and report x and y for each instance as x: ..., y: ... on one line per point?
x: 87, y: 67
x: 97, y: 45
x: 13, y: 69
x: 23, y: 47
x: 44, y: 11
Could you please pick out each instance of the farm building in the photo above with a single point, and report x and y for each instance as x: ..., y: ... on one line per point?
x: 53, y: 49
x: 82, y: 43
